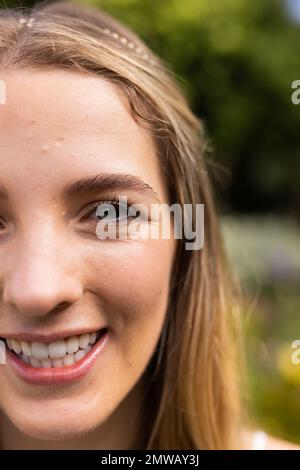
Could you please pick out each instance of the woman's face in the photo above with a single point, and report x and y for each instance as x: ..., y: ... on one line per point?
x: 58, y: 280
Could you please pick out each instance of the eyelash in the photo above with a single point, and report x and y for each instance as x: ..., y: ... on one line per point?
x: 94, y: 205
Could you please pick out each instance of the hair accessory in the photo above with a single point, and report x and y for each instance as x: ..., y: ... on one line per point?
x: 129, y: 44
x: 109, y: 32
x: 26, y: 22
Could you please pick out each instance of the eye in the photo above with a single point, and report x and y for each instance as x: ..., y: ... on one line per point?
x: 110, y: 210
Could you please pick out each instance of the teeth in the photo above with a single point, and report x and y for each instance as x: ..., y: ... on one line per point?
x: 93, y: 337
x: 26, y: 359
x: 57, y: 363
x: 46, y: 363
x: 60, y: 353
x: 57, y: 349
x: 26, y: 348
x: 35, y: 362
x: 39, y: 350
x: 72, y: 344
x: 16, y: 346
x: 84, y: 340
x: 79, y: 355
x: 68, y: 360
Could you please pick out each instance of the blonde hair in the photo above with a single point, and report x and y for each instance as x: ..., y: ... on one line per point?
x: 193, y: 375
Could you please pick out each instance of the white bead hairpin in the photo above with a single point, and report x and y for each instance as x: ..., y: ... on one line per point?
x: 109, y: 32
x: 26, y: 21
x: 129, y: 44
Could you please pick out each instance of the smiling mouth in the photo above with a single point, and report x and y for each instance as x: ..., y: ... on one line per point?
x: 57, y: 354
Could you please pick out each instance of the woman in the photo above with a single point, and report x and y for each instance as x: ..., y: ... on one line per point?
x: 111, y: 343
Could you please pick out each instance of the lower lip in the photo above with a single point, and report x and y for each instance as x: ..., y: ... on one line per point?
x: 57, y: 375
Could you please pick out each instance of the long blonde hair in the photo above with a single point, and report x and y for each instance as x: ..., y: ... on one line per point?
x: 193, y: 375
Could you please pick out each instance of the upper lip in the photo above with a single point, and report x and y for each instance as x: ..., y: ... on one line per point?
x: 49, y: 338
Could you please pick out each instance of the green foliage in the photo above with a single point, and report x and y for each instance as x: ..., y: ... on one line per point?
x: 265, y: 256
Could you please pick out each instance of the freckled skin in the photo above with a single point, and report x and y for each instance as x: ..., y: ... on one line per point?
x: 57, y: 127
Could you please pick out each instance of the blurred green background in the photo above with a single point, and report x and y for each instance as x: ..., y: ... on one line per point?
x: 236, y: 60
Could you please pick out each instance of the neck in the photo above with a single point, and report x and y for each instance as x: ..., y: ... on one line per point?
x: 124, y: 429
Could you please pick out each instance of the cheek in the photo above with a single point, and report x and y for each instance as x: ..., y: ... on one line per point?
x: 131, y: 280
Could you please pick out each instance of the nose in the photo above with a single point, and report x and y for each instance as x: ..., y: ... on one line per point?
x: 40, y: 278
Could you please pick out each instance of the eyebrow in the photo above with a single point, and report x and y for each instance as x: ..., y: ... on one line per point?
x: 108, y: 181
x: 100, y: 182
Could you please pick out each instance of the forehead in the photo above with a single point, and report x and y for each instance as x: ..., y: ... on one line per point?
x: 63, y: 100
x: 57, y: 123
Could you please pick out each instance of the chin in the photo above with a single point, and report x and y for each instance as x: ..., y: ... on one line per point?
x: 53, y: 432
x: 57, y: 422
x: 61, y: 433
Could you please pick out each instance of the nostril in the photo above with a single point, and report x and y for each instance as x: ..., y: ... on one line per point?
x: 61, y: 306
x: 58, y: 308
